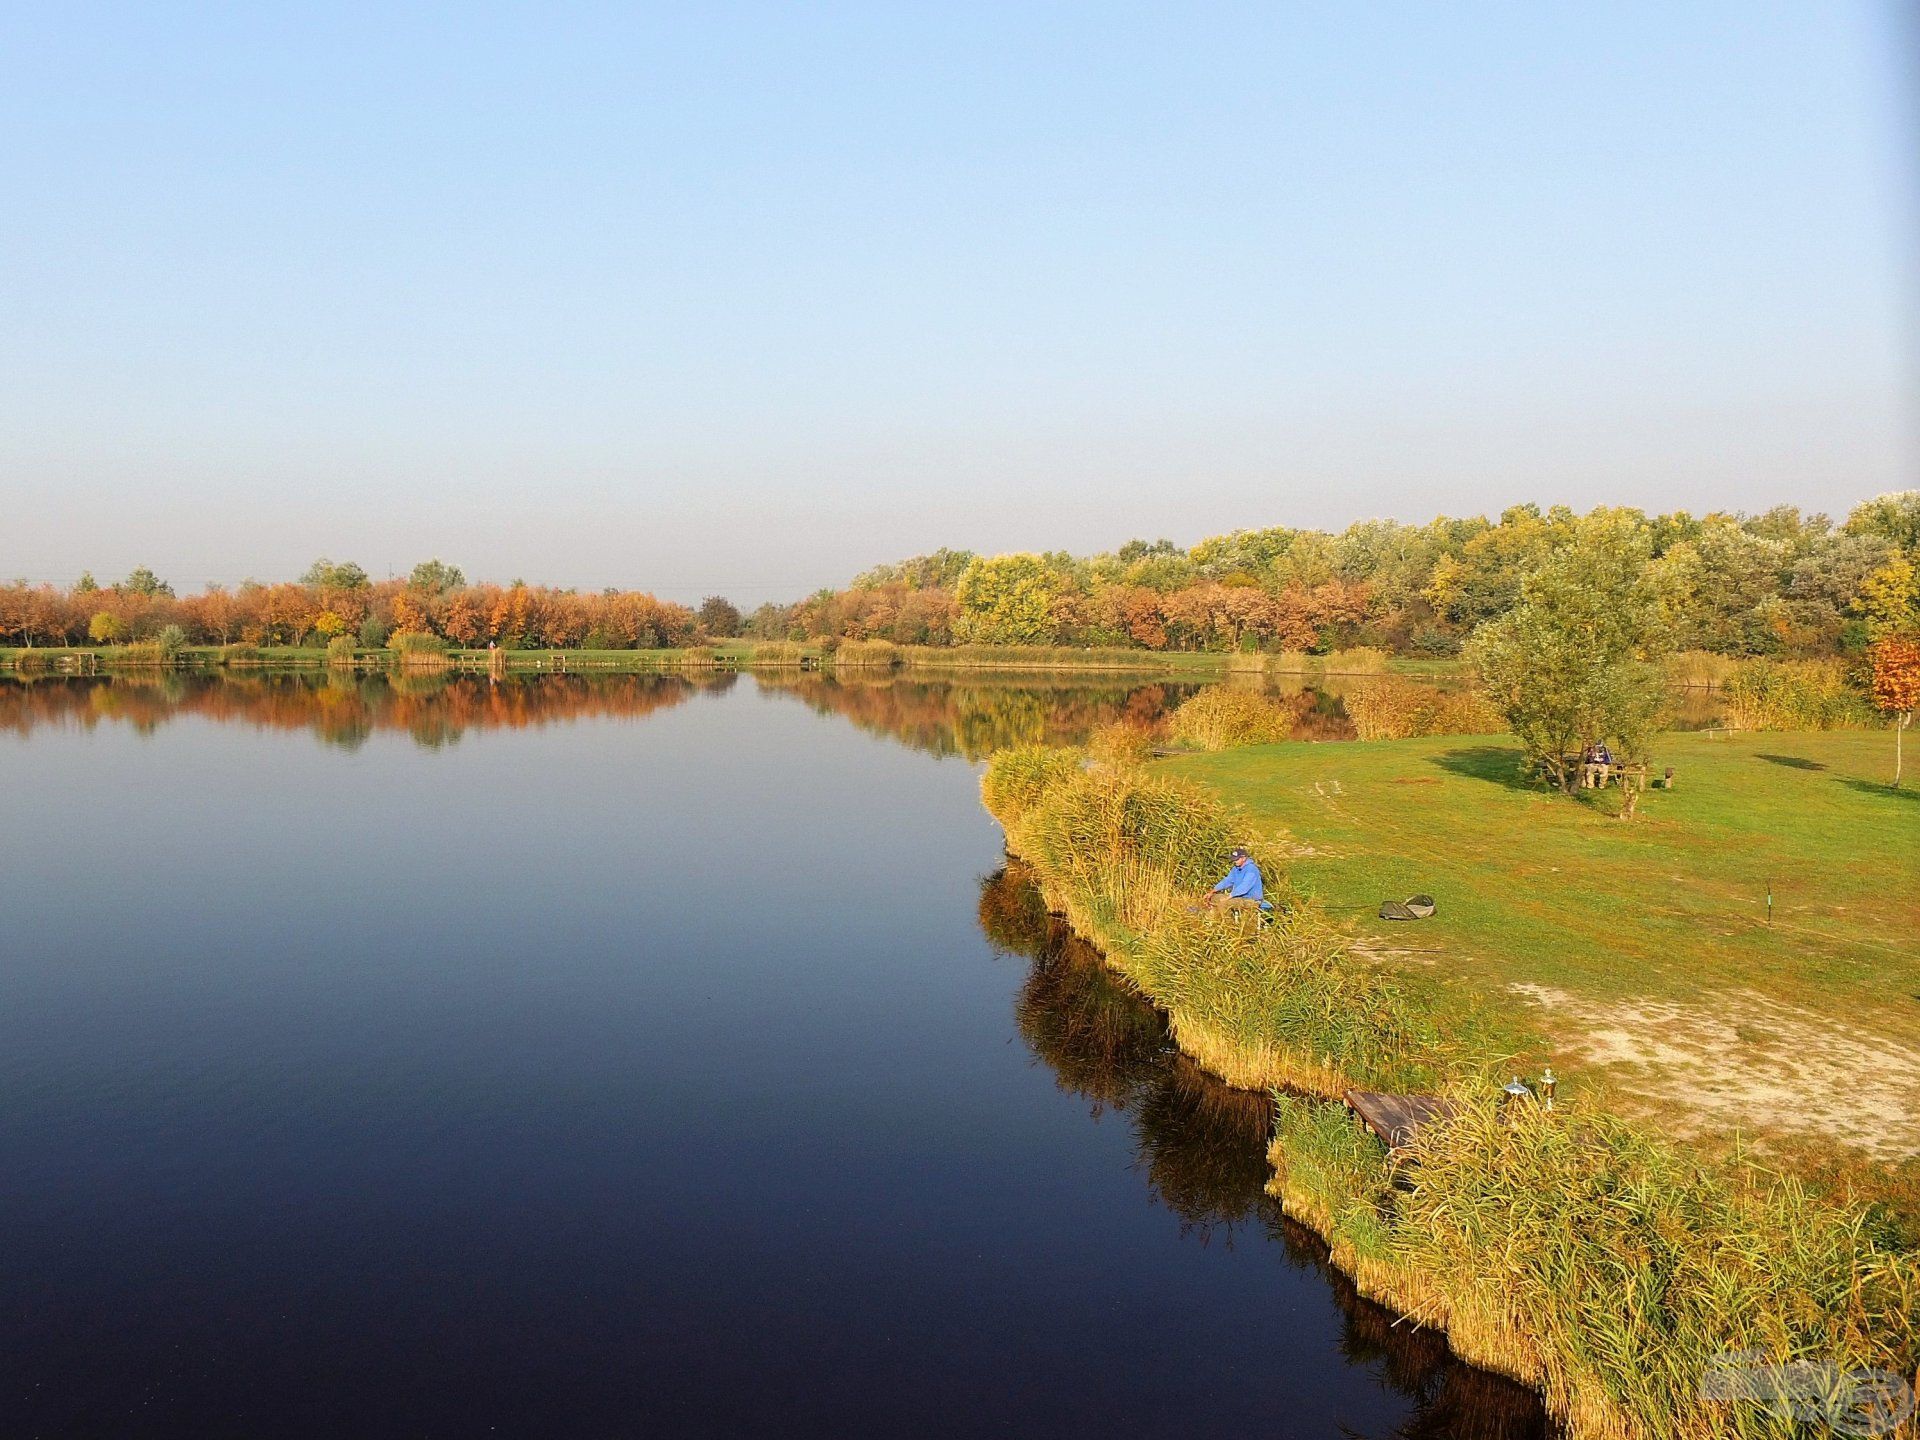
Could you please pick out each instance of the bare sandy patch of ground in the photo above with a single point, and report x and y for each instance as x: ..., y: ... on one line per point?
x: 1748, y: 1063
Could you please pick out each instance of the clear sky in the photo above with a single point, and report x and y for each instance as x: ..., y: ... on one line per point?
x: 745, y: 297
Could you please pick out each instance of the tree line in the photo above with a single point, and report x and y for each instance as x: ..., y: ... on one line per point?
x: 1778, y: 583
x: 335, y: 599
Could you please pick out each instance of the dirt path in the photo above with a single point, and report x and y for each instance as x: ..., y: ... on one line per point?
x: 1746, y: 1063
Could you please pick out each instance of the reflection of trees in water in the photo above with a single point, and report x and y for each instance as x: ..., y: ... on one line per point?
x: 342, y: 708
x: 973, y: 718
x: 1203, y: 1150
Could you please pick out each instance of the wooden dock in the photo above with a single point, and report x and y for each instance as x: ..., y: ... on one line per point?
x: 1397, y: 1119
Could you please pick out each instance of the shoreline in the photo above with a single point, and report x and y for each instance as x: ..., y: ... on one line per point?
x: 1527, y: 1240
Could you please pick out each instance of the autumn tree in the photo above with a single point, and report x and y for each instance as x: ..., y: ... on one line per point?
x: 1008, y: 600
x: 1574, y: 662
x: 105, y: 628
x: 1896, y: 685
x: 719, y: 617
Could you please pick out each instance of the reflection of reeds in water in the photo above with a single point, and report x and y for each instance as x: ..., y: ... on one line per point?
x: 1201, y: 1148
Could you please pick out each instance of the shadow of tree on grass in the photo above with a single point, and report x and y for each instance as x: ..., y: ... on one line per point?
x: 1792, y: 762
x: 1879, y: 788
x: 1503, y: 765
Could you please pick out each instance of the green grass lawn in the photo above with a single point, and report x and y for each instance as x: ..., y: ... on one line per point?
x: 1651, y: 935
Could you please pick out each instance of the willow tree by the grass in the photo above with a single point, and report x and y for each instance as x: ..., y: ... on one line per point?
x: 1576, y: 662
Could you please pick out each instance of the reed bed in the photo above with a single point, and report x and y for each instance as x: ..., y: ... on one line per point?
x: 1602, y: 1265
x: 1033, y: 657
x: 1793, y: 695
x: 1698, y: 669
x: 1390, y: 708
x: 1220, y: 718
x: 418, y: 650
x: 1247, y: 662
x: 1360, y: 660
x: 1120, y: 743
x: 778, y: 653
x: 866, y: 654
x: 1573, y: 1251
x: 137, y: 655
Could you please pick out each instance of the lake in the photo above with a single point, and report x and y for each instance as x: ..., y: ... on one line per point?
x: 614, y: 1056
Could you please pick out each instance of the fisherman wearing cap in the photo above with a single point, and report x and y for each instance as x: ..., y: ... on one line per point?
x: 1241, y: 888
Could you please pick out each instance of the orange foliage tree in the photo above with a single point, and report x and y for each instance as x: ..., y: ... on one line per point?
x: 1896, y: 685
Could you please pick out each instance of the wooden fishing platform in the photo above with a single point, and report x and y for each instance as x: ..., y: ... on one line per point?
x: 1397, y: 1119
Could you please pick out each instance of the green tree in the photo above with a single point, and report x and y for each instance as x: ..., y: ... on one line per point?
x: 1574, y: 663
x: 1008, y: 600
x: 105, y: 628
x: 172, y: 640
x: 87, y: 584
x: 436, y: 577
x: 324, y: 574
x: 1894, y: 517
x: 144, y: 582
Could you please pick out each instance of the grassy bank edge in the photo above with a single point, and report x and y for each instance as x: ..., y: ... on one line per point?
x: 1593, y: 1261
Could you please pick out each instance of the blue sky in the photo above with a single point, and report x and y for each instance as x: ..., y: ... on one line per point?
x: 743, y: 298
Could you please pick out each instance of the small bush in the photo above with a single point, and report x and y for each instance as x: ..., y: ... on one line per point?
x: 238, y: 653
x: 1433, y: 642
x: 1219, y: 718
x: 30, y: 662
x: 374, y: 632
x: 340, y: 650
x: 171, y: 640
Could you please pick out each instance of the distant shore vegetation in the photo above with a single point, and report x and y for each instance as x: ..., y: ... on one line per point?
x: 1779, y: 584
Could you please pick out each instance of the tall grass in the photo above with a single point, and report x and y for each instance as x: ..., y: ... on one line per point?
x: 1698, y: 669
x: 1361, y: 660
x: 872, y: 654
x: 418, y: 650
x: 1219, y: 718
x: 778, y: 652
x: 1390, y: 708
x: 1031, y: 657
x: 1793, y: 695
x: 1599, y: 1263
x: 139, y: 654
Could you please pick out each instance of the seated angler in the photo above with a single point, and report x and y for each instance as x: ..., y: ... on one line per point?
x: 1241, y: 888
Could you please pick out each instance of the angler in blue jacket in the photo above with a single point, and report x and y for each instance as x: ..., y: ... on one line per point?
x: 1241, y: 888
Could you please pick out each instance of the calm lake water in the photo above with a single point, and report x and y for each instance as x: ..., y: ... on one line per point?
x: 611, y: 1057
